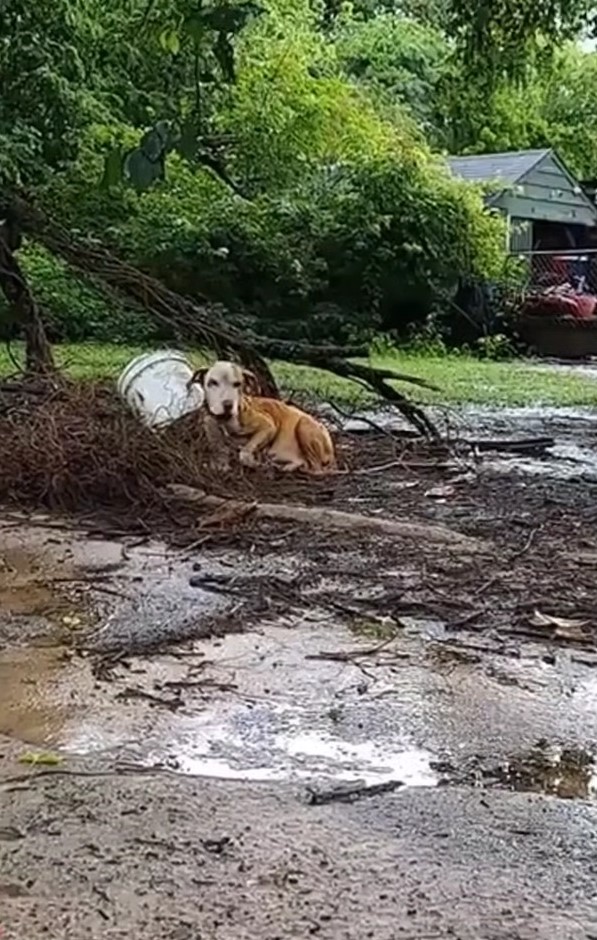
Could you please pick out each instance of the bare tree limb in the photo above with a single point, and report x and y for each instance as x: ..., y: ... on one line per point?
x: 206, y: 325
x: 323, y: 518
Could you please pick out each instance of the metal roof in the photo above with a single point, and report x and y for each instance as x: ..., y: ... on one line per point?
x: 487, y: 167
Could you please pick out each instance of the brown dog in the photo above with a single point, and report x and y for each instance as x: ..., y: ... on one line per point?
x: 289, y: 436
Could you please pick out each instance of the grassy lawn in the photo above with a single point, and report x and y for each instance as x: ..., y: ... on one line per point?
x: 460, y: 378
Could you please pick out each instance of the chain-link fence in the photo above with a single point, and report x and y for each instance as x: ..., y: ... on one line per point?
x: 559, y: 269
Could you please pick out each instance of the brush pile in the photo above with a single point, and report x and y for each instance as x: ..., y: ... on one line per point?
x: 75, y: 447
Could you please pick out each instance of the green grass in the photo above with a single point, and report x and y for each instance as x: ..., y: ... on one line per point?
x: 461, y: 378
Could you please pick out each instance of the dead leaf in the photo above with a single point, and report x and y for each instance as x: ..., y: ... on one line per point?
x: 564, y: 628
x: 440, y: 492
x: 42, y: 757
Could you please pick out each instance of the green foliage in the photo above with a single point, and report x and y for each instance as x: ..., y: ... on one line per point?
x: 278, y: 154
x: 348, y: 250
x: 350, y: 224
x: 199, y: 41
x: 497, y: 347
x: 45, y: 99
x: 506, y: 37
x: 568, y: 109
x: 401, y: 60
x: 75, y: 309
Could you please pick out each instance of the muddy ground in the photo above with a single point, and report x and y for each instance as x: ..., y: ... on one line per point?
x: 283, y: 732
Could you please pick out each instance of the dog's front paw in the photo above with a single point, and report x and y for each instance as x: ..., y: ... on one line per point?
x: 247, y: 459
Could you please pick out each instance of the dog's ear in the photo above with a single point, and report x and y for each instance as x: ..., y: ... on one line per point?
x: 251, y: 383
x: 198, y: 377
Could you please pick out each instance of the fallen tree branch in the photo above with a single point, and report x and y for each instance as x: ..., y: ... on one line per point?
x: 350, y: 793
x: 525, y: 445
x: 332, y: 518
x: 206, y: 325
x: 377, y: 379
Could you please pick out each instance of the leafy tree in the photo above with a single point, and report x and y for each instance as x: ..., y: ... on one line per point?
x: 568, y: 109
x: 181, y: 73
x: 506, y: 37
x: 268, y: 172
x: 399, y: 59
x: 46, y: 94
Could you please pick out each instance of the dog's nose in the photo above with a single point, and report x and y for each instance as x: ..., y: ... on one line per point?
x: 227, y: 407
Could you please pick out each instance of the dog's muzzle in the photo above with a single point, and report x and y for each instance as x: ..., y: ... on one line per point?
x: 223, y: 416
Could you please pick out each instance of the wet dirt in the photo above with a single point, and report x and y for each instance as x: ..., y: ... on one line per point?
x: 29, y: 588
x: 284, y: 706
x: 32, y: 709
x: 568, y: 773
x: 179, y: 807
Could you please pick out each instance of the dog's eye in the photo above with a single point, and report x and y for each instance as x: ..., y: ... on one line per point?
x: 236, y: 385
x: 212, y: 383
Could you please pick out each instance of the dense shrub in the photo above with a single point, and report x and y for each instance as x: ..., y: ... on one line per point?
x: 345, y: 252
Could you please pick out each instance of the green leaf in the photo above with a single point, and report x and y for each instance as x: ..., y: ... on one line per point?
x: 40, y: 757
x: 113, y: 169
x: 169, y: 40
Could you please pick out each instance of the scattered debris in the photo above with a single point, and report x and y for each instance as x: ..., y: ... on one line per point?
x: 531, y: 446
x: 216, y: 846
x: 173, y: 703
x: 350, y: 794
x: 562, y: 628
x: 443, y: 491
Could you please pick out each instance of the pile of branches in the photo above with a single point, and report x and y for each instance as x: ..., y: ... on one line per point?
x: 205, y: 325
x: 76, y: 448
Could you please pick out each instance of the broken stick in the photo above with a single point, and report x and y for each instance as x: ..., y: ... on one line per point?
x: 333, y: 519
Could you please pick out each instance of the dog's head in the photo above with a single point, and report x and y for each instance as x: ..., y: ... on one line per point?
x: 225, y: 384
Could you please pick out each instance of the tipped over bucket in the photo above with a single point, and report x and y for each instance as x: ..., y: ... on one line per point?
x: 155, y: 386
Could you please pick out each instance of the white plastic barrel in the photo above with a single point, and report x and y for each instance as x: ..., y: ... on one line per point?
x: 154, y: 386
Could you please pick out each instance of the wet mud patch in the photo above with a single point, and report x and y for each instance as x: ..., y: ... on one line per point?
x: 36, y: 694
x: 500, y: 649
x: 58, y: 586
x: 310, y: 703
x: 399, y: 668
x: 555, y: 770
x: 40, y: 595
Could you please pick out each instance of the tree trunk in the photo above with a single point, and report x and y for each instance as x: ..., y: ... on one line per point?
x: 38, y: 357
x: 321, y: 517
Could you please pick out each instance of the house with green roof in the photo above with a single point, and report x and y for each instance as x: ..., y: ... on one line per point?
x: 546, y: 207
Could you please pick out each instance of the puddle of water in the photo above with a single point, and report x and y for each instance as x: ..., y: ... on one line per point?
x: 292, y: 718
x: 27, y: 586
x: 34, y: 703
x: 379, y: 765
x: 568, y: 773
x: 574, y: 430
x: 135, y: 597
x: 284, y: 712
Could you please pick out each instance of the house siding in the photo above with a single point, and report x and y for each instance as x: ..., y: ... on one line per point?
x: 521, y: 235
x: 546, y: 193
